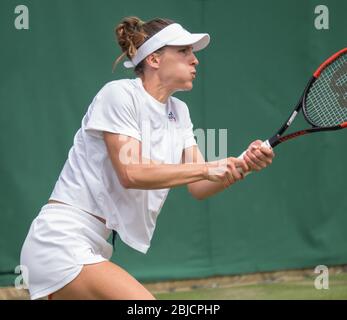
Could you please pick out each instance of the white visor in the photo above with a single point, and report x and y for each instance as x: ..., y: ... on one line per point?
x: 172, y: 35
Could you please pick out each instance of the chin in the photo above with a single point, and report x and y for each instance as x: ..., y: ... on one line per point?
x: 188, y: 86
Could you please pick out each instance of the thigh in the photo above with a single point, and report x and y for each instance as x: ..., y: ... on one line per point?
x: 104, y: 280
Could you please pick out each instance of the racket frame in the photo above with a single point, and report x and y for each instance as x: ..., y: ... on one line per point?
x: 278, y: 138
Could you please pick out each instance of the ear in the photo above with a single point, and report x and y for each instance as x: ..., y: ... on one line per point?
x: 153, y: 60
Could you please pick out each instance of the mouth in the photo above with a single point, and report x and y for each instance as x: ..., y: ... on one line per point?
x: 193, y: 74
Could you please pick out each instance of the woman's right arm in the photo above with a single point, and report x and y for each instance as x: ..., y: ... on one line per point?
x: 135, y: 172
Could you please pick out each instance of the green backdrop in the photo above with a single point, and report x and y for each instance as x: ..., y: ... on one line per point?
x: 291, y: 215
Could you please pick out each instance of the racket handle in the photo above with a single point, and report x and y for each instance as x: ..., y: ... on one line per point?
x: 264, y: 144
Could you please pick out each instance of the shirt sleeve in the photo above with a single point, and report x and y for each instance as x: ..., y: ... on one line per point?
x: 113, y: 110
x: 188, y: 134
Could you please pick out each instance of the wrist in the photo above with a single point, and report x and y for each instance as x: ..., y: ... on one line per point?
x: 205, y: 171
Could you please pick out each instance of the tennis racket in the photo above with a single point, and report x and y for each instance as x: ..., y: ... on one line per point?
x: 324, y: 101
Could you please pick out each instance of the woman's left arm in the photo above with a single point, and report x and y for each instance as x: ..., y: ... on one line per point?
x: 256, y: 157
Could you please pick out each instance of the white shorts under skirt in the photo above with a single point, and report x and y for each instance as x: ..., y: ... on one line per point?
x: 60, y: 241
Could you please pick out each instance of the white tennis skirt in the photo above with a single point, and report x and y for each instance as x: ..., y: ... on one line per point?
x: 60, y: 241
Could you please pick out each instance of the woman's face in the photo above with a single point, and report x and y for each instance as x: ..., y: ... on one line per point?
x: 176, y: 68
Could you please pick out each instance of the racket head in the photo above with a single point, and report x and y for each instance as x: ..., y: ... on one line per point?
x: 324, y: 102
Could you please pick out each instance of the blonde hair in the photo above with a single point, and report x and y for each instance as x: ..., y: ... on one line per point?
x: 132, y: 32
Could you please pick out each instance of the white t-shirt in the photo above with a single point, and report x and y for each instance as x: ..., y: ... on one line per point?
x: 89, y: 182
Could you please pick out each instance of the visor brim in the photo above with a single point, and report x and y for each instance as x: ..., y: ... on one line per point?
x: 199, y: 41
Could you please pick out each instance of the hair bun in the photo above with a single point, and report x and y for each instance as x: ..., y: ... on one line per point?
x: 132, y: 32
x: 130, y: 35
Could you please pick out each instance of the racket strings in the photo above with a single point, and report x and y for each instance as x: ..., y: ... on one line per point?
x: 326, y: 101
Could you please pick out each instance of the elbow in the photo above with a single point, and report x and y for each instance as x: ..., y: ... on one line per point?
x: 125, y: 180
x: 199, y: 197
x: 196, y: 195
x: 125, y: 184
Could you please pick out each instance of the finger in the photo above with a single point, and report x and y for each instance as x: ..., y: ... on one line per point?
x: 269, y: 155
x: 251, y: 164
x: 244, y: 167
x: 226, y: 183
x: 256, y: 143
x: 257, y: 159
x: 234, y: 172
x: 267, y: 151
x: 229, y: 179
x: 260, y: 156
x: 237, y: 174
x: 241, y: 163
x: 264, y: 160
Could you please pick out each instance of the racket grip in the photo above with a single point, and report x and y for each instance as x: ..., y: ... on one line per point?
x: 264, y: 144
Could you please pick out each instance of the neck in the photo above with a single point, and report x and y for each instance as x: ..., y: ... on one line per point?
x: 156, y: 88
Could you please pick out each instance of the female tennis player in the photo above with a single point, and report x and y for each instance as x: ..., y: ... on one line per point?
x: 136, y: 142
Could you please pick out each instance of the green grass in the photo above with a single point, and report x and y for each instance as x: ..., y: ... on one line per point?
x: 297, y: 290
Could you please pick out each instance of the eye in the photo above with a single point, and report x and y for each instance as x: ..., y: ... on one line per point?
x: 184, y: 50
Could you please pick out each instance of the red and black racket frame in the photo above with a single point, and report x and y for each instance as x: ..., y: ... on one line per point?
x: 278, y: 138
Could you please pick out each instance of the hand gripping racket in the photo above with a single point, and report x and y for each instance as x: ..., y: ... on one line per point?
x: 324, y: 101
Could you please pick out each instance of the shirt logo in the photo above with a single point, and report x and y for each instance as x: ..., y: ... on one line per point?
x: 171, y: 116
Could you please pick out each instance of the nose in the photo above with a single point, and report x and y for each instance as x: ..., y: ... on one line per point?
x: 195, y: 61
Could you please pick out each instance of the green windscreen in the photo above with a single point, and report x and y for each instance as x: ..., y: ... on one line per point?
x: 261, y: 55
